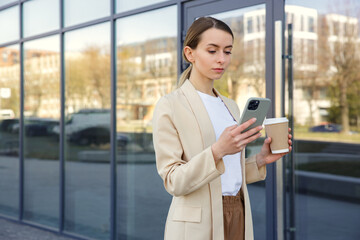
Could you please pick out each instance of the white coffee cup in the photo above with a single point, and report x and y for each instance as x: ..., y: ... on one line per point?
x: 277, y: 129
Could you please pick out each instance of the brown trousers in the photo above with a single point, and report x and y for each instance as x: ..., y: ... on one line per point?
x: 234, y: 216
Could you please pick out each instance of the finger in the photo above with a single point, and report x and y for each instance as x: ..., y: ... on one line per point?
x: 251, y: 139
x: 251, y: 132
x: 243, y: 126
x: 289, y: 129
x: 230, y: 128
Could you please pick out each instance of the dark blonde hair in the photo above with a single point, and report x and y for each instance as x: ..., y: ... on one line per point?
x: 193, y: 37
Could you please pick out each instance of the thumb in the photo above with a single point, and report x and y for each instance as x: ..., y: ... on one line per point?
x: 268, y: 140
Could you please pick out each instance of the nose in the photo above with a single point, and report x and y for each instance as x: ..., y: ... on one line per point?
x: 221, y: 58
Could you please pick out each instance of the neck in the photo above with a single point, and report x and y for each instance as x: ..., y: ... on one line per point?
x: 203, y: 85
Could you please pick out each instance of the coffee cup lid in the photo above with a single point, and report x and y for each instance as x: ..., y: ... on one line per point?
x: 269, y: 121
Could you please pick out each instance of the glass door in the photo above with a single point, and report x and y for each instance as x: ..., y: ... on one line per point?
x: 249, y: 75
x: 325, y: 169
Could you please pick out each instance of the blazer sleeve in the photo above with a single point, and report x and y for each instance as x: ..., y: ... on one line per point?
x: 252, y: 172
x: 180, y: 177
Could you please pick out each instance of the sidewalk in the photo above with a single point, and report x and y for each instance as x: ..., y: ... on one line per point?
x: 10, y: 230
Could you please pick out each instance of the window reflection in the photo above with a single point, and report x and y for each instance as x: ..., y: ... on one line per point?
x: 87, y: 131
x: 146, y: 70
x: 41, y: 116
x: 40, y: 16
x: 126, y: 5
x: 9, y: 24
x: 326, y: 109
x: 4, y: 2
x: 9, y: 139
x: 75, y: 13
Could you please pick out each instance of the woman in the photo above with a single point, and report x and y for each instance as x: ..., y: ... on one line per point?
x: 199, y: 145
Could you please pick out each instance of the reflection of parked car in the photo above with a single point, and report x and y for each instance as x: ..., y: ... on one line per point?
x: 330, y: 127
x: 122, y: 140
x: 36, y: 126
x: 6, y: 125
x: 91, y: 135
x: 96, y: 135
x: 85, y: 119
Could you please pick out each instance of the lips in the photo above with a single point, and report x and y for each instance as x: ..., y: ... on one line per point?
x: 218, y: 70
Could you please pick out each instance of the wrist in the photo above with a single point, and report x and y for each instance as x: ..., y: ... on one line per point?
x: 260, y: 161
x: 216, y: 153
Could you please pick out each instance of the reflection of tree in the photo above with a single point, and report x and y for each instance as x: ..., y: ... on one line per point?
x: 88, y: 78
x: 42, y: 82
x: 345, y: 80
x: 10, y: 78
x: 145, y: 71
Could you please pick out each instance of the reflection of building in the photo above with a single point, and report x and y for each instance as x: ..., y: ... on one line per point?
x: 42, y: 84
x: 9, y: 56
x: 144, y: 77
x: 314, y: 36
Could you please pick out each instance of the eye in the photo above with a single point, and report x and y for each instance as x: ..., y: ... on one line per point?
x: 227, y: 52
x: 211, y: 51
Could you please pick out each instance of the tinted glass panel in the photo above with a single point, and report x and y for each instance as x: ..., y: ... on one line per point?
x: 9, y: 24
x: 41, y: 143
x: 4, y: 2
x: 9, y: 136
x: 146, y: 70
x: 75, y: 12
x: 326, y: 108
x: 126, y: 5
x: 40, y: 16
x: 87, y: 131
x: 245, y: 78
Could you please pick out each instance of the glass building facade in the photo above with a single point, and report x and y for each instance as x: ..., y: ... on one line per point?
x: 79, y: 81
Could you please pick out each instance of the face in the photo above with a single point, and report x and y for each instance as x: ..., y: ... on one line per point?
x: 212, y: 55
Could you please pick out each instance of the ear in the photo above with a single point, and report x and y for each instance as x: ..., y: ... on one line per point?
x: 189, y: 54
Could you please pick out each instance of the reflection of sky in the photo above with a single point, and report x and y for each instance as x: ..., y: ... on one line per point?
x: 44, y: 44
x: 3, y: 2
x: 349, y: 7
x: 78, y: 11
x: 238, y: 12
x: 40, y: 16
x: 151, y: 25
x: 125, y: 5
x: 98, y: 35
x: 9, y: 24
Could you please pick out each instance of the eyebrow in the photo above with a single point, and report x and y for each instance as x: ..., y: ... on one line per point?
x: 215, y: 45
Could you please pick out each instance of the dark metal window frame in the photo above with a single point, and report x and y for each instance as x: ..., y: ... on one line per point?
x: 274, y: 10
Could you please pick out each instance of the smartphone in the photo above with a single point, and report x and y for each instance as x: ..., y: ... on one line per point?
x: 255, y: 108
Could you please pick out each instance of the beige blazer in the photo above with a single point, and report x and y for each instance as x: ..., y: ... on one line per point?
x: 183, y: 135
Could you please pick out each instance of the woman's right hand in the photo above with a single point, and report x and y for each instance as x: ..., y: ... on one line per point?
x: 232, y: 141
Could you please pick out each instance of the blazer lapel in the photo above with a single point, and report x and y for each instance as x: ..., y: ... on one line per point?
x: 229, y: 106
x: 200, y: 112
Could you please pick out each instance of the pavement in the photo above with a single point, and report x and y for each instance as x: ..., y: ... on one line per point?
x: 11, y: 230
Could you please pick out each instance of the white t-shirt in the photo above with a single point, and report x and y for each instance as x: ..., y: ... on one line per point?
x: 221, y: 118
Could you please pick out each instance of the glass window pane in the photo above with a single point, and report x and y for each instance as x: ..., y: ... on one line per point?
x: 87, y: 131
x: 40, y: 16
x: 4, y: 2
x: 245, y: 78
x: 41, y: 143
x: 146, y: 70
x: 9, y: 123
x: 126, y: 5
x: 9, y: 25
x: 75, y: 12
x: 326, y: 102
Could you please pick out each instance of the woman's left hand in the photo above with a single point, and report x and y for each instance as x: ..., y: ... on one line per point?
x: 265, y: 156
